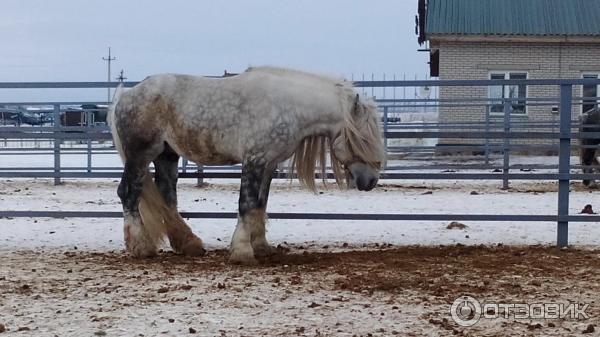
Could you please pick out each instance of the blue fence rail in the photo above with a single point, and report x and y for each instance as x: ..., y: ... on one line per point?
x: 495, y: 132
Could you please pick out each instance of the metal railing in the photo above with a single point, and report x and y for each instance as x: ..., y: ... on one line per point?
x: 496, y: 134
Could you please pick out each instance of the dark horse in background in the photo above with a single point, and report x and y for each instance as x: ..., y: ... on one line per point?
x: 590, y: 122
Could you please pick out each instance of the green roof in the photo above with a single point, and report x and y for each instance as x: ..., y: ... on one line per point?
x: 513, y: 17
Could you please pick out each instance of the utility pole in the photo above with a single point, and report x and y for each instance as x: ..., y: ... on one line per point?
x: 108, y: 60
x: 121, y: 77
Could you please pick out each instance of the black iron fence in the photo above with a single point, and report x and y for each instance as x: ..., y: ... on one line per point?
x: 489, y: 137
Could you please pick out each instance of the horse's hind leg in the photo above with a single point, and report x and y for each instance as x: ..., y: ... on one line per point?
x: 589, y: 163
x: 251, y: 214
x: 181, y: 237
x: 137, y: 241
x: 595, y: 168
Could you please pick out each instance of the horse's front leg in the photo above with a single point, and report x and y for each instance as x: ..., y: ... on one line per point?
x: 260, y: 245
x: 251, y: 213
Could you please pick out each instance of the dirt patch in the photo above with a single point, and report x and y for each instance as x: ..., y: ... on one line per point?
x: 381, y: 291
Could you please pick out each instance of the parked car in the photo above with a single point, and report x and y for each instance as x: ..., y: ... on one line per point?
x: 392, y: 119
x: 9, y: 117
x: 34, y: 118
x: 17, y: 117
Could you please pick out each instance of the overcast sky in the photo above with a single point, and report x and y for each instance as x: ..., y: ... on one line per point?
x: 65, y: 40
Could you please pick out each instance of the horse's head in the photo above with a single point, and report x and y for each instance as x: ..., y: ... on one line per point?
x: 358, y: 146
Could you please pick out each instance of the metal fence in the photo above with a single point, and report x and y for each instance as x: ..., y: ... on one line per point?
x: 496, y: 138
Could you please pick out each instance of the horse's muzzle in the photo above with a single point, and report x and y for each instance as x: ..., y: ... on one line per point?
x: 364, y: 183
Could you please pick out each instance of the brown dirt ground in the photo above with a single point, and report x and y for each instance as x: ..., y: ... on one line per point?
x: 432, y: 277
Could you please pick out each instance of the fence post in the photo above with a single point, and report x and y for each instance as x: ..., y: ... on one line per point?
x: 564, y: 163
x: 184, y: 163
x: 487, y: 138
x: 88, y: 122
x: 385, y: 128
x: 200, y: 171
x: 57, y: 142
x: 506, y: 147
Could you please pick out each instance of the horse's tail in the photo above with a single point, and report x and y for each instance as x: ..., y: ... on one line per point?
x: 153, y: 209
x: 110, y: 118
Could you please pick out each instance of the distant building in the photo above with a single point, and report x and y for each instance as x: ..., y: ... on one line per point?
x: 510, y: 39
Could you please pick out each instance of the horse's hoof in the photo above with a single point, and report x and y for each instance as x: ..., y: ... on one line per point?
x: 137, y: 244
x: 140, y: 252
x: 193, y: 247
x: 244, y: 259
x: 265, y: 251
x: 140, y: 248
x: 189, y: 245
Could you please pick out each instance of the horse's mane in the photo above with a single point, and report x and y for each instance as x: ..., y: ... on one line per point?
x: 363, y: 141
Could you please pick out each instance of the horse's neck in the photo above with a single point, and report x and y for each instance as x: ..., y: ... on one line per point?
x: 317, y: 105
x: 327, y: 118
x: 325, y: 123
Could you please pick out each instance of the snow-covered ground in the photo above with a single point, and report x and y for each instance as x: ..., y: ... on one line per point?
x: 71, y: 277
x: 406, y: 197
x: 434, y: 196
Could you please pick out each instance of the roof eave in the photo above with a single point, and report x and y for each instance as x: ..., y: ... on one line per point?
x: 434, y: 38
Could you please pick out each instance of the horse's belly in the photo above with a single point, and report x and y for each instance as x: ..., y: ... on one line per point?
x: 203, y: 147
x: 211, y: 159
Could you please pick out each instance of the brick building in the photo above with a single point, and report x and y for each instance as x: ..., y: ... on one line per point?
x: 510, y: 39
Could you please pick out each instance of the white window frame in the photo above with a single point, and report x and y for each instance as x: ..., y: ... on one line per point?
x: 583, y: 75
x: 507, y: 73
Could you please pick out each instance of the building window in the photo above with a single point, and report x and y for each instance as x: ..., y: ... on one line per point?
x: 590, y: 94
x: 508, y: 91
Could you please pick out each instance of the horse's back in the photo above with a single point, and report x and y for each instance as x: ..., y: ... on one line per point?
x: 218, y: 120
x: 185, y: 112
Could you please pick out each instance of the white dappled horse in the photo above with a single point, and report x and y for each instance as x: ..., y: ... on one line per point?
x: 258, y: 118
